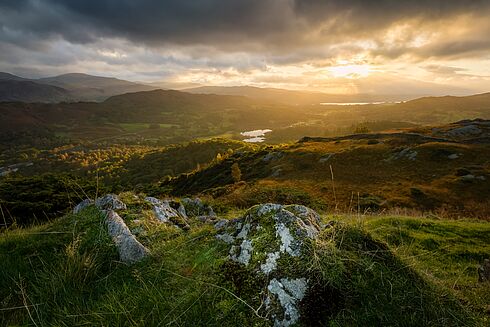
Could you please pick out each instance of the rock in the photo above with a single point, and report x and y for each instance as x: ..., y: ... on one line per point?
x: 272, y: 156
x: 288, y: 292
x: 221, y: 224
x: 207, y: 219
x: 166, y: 214
x: 405, y: 153
x: 484, y: 271
x: 129, y: 248
x: 225, y: 237
x: 453, y: 156
x: 110, y: 202
x: 325, y: 158
x: 465, y: 131
x: 82, y: 205
x: 276, y: 172
x: 195, y: 207
x: 268, y: 241
x: 468, y: 178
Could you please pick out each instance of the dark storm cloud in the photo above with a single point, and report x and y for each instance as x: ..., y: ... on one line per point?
x: 225, y: 24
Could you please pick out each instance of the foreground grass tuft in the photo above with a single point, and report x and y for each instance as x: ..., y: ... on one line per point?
x: 390, y: 271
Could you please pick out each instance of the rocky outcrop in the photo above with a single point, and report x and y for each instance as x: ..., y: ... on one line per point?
x: 106, y: 202
x: 110, y: 202
x: 165, y: 213
x: 129, y: 248
x: 465, y: 131
x: 270, y: 241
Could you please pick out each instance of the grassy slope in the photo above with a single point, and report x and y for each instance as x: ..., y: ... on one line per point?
x: 361, y: 165
x: 422, y: 272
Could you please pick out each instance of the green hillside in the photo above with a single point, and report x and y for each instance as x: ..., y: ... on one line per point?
x: 385, y: 270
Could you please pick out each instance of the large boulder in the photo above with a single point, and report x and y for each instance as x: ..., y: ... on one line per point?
x: 129, y: 248
x: 271, y: 242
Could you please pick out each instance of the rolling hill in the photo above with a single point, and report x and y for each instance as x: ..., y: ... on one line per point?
x: 68, y: 87
x: 29, y: 91
x: 179, y: 116
x: 93, y: 88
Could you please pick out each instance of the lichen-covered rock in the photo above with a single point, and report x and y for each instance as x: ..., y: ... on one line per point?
x: 271, y: 241
x: 129, y: 248
x: 167, y: 214
x: 288, y: 292
x: 195, y: 207
x: 110, y: 202
x: 82, y: 205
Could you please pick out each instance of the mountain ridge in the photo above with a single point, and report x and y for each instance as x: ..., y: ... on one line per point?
x: 76, y: 86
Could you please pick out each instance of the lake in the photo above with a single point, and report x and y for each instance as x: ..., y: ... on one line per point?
x: 255, y: 136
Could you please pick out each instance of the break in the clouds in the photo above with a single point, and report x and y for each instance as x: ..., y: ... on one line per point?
x: 313, y: 44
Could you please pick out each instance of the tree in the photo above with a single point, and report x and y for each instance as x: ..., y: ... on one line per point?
x: 236, y: 173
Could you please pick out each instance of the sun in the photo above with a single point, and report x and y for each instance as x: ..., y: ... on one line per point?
x: 350, y: 71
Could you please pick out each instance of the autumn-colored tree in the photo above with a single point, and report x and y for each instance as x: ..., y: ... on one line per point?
x: 236, y: 173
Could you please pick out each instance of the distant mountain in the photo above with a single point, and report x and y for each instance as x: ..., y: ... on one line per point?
x: 29, y: 91
x: 67, y: 87
x: 94, y: 88
x: 11, y: 77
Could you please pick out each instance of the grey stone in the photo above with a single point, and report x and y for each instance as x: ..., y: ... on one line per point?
x: 465, y: 131
x: 271, y: 262
x: 261, y: 239
x: 288, y: 292
x: 166, y: 214
x: 406, y: 153
x: 110, y: 202
x: 272, y: 156
x: 468, y: 178
x: 243, y: 253
x: 325, y: 157
x: 129, y: 248
x: 82, y: 205
x: 221, y: 224
x: 484, y: 271
x: 453, y: 156
x: 195, y: 207
x: 225, y: 237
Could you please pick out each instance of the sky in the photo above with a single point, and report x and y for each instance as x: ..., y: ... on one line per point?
x: 333, y: 46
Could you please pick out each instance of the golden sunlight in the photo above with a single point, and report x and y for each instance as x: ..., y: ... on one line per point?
x: 350, y: 71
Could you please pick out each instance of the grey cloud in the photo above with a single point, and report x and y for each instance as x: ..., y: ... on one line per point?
x: 243, y: 34
x: 229, y: 24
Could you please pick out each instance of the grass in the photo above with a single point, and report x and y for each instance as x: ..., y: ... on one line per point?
x: 391, y: 271
x: 447, y: 253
